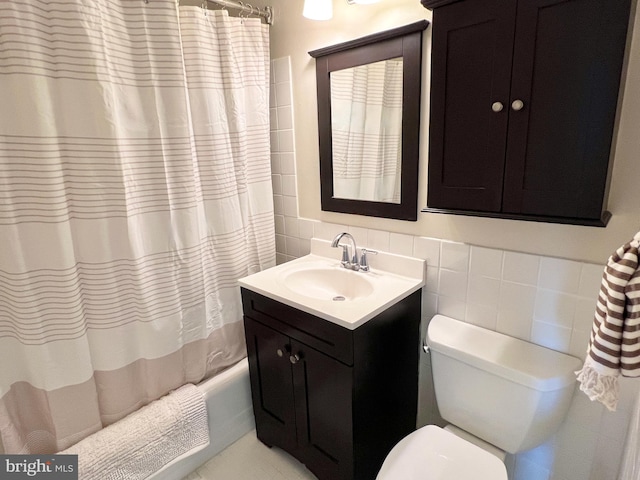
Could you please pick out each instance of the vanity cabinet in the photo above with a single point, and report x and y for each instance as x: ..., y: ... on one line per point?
x: 523, y: 104
x: 336, y: 399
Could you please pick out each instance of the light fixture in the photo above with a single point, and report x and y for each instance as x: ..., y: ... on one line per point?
x: 361, y: 2
x: 318, y: 9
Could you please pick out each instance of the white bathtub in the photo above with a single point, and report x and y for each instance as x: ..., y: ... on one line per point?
x: 228, y: 399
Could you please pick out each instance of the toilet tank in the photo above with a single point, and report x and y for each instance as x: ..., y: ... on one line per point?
x: 508, y: 392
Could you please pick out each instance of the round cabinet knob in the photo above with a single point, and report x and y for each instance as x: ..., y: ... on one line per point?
x: 517, y: 105
x: 280, y: 352
x: 294, y: 359
x: 497, y: 107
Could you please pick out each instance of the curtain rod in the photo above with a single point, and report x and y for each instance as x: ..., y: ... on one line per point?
x: 266, y: 12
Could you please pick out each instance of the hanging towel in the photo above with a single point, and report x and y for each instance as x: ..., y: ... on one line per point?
x: 146, y: 440
x: 614, y: 346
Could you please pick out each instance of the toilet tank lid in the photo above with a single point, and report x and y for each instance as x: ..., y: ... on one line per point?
x: 522, y: 362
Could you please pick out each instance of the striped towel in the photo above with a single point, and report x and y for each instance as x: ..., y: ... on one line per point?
x: 614, y: 347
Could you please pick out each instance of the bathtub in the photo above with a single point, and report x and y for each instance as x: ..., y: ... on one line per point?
x: 228, y: 399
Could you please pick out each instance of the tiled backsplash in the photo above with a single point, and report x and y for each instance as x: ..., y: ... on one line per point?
x: 544, y: 300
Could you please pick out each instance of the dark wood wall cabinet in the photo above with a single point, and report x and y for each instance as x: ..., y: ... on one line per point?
x: 523, y: 105
x: 336, y: 399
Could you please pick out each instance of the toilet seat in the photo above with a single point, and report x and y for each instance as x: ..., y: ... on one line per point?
x: 432, y: 453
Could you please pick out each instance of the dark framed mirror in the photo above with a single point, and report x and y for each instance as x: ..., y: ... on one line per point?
x: 369, y: 93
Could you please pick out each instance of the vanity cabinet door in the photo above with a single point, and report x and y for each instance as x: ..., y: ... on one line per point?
x: 302, y: 401
x: 323, y: 398
x: 271, y: 385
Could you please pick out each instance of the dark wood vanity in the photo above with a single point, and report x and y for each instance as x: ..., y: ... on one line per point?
x: 336, y: 399
x: 523, y: 105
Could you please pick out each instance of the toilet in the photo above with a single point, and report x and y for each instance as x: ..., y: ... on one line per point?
x: 499, y: 394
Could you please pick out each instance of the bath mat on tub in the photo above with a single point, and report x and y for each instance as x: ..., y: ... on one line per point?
x: 146, y: 440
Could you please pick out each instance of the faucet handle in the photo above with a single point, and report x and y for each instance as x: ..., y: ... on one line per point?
x: 345, y: 254
x: 364, y: 263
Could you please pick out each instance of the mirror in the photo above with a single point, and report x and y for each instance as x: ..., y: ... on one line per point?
x: 369, y: 123
x: 366, y: 131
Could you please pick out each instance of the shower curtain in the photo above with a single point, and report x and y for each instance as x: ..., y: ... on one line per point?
x: 135, y: 189
x: 366, y: 127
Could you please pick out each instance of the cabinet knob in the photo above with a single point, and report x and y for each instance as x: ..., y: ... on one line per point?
x: 497, y: 107
x: 294, y: 358
x: 517, y: 105
x: 281, y: 351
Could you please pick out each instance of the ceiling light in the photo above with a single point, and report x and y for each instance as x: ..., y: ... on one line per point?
x: 318, y: 9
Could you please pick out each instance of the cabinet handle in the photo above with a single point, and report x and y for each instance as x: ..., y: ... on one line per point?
x: 294, y: 358
x: 497, y: 107
x: 280, y: 352
x: 517, y: 105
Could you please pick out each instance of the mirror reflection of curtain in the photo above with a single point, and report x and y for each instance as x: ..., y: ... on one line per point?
x: 366, y: 124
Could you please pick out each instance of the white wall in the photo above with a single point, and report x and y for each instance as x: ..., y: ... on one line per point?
x: 293, y: 35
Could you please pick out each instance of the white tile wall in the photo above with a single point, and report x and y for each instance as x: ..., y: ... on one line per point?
x: 292, y: 235
x: 486, y: 262
x: 544, y: 300
x: 454, y: 256
x: 520, y: 268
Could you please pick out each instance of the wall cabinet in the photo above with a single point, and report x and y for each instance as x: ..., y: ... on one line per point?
x: 336, y: 399
x: 523, y: 105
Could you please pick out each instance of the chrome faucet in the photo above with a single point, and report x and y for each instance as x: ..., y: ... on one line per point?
x: 349, y: 259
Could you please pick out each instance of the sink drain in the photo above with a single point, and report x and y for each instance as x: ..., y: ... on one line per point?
x: 339, y: 298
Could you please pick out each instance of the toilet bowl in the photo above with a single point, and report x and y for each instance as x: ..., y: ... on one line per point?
x: 500, y: 394
x: 434, y: 453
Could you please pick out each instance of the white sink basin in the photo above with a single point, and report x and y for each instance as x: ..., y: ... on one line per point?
x: 330, y: 283
x: 319, y: 285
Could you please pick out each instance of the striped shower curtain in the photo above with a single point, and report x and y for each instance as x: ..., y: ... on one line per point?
x: 366, y: 128
x: 134, y: 191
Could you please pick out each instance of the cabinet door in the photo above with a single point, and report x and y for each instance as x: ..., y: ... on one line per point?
x: 323, y: 400
x: 271, y: 385
x: 566, y: 71
x: 471, y: 72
